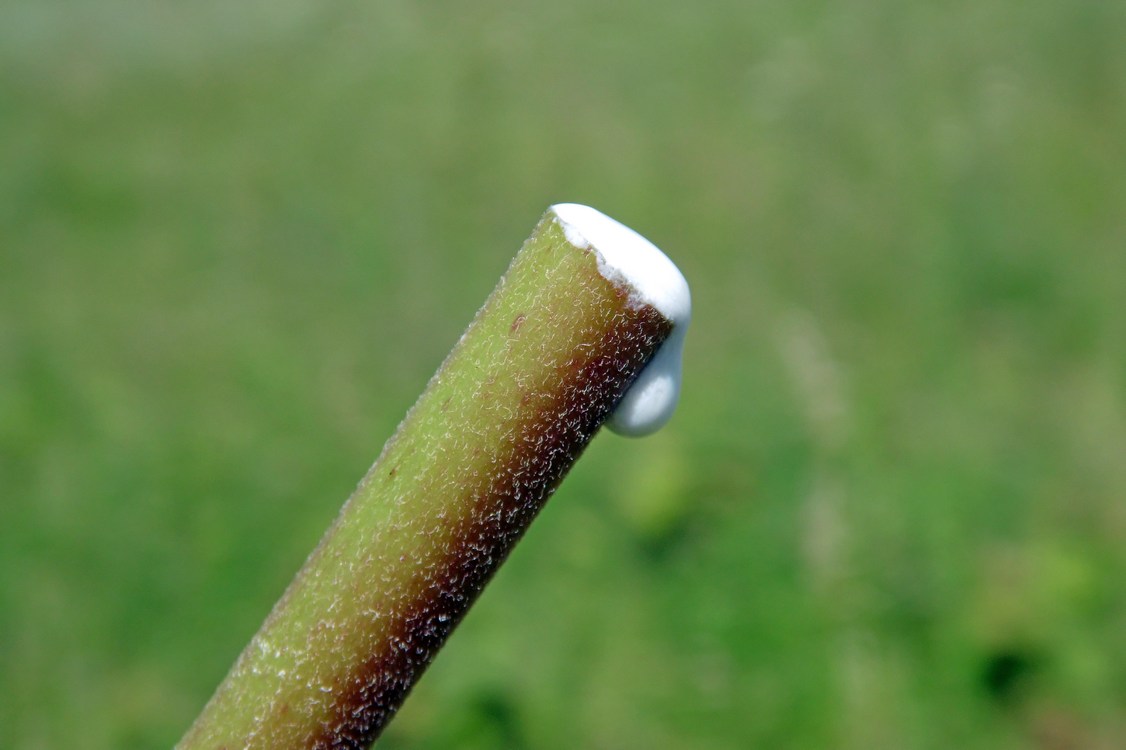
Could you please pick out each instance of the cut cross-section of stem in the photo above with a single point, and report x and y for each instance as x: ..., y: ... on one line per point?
x: 584, y: 307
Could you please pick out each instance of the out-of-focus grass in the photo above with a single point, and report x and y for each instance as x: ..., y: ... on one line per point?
x: 236, y: 239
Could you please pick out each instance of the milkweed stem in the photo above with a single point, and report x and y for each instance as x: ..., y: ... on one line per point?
x: 542, y: 366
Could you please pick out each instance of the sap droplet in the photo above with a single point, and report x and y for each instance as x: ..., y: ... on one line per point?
x: 624, y: 256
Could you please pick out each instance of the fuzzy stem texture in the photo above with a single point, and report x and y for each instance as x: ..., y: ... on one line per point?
x: 518, y: 399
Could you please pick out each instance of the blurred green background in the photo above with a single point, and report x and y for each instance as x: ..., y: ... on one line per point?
x: 236, y: 239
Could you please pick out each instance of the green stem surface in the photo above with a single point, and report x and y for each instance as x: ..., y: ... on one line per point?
x: 510, y: 410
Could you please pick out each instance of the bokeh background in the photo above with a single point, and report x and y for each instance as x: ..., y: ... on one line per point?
x: 236, y: 239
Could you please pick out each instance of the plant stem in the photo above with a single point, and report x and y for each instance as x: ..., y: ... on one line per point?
x: 541, y: 367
